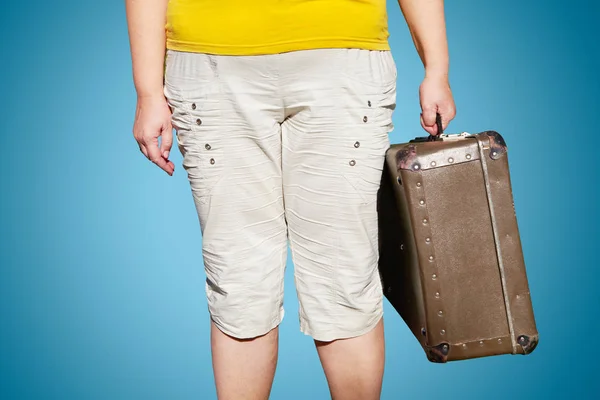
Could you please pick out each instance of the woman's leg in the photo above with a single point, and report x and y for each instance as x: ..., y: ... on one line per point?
x: 354, y: 367
x: 244, y: 368
x: 225, y: 111
x: 334, y: 144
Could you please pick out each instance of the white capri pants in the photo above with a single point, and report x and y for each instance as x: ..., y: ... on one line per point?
x: 286, y: 147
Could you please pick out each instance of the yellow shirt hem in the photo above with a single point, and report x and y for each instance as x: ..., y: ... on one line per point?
x: 275, y: 48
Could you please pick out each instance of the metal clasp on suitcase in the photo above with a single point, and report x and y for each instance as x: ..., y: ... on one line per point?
x: 455, y: 136
x: 443, y: 137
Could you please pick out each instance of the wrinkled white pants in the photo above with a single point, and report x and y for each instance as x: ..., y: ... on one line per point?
x: 287, y: 146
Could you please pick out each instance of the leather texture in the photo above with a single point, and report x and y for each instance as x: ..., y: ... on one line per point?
x: 451, y: 260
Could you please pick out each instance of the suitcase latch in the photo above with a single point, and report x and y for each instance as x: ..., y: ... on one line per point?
x: 455, y: 136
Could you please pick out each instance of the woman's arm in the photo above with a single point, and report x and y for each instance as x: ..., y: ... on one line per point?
x: 426, y: 22
x: 146, y: 22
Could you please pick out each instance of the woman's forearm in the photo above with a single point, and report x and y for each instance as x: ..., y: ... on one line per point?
x: 146, y: 22
x: 426, y: 22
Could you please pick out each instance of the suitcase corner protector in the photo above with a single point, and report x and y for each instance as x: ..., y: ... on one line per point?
x: 528, y: 343
x: 439, y: 353
x: 497, y: 144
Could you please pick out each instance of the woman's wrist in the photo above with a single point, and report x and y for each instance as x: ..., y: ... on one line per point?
x: 436, y: 72
x: 150, y: 94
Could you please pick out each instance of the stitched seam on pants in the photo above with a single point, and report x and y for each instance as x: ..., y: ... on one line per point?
x: 336, y: 278
x: 281, y: 284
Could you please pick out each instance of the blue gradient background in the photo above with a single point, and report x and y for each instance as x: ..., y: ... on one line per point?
x: 101, y: 281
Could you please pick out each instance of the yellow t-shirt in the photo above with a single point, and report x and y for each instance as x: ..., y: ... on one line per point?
x: 251, y: 27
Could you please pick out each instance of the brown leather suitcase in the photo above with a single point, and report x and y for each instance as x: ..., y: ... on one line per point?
x: 451, y: 261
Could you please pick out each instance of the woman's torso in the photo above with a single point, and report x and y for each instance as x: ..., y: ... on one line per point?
x: 244, y: 27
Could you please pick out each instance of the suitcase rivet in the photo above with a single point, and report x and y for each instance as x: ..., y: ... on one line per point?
x: 522, y: 340
x: 198, y: 121
x: 440, y: 313
x: 418, y: 184
x: 445, y: 347
x: 434, y: 277
x: 481, y: 342
x: 433, y: 164
x: 423, y: 331
x: 430, y: 258
x: 193, y: 106
x: 494, y: 154
x: 468, y: 156
x: 212, y: 161
x: 352, y: 163
x: 365, y: 119
x: 437, y: 295
x: 421, y: 202
x: 425, y: 220
x: 499, y: 341
x: 464, y: 346
x: 416, y: 167
x: 443, y: 332
x: 427, y: 240
x: 451, y: 160
x: 357, y: 145
x: 207, y: 146
x: 369, y: 103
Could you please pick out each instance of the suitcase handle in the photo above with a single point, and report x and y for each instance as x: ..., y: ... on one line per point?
x: 438, y: 122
